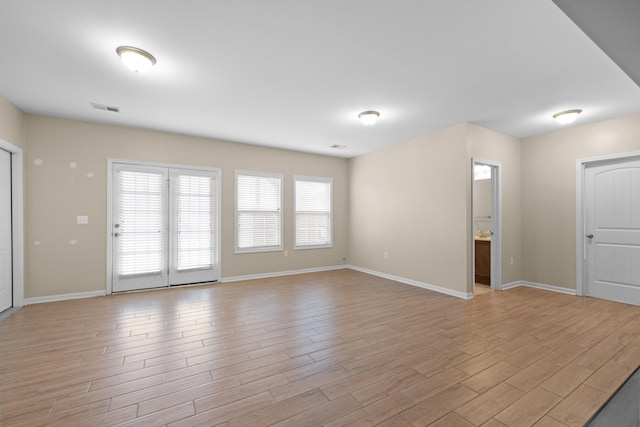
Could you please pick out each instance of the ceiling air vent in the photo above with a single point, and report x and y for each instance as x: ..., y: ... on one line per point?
x: 105, y: 107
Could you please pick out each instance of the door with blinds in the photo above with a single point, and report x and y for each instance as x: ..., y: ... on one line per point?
x: 164, y: 226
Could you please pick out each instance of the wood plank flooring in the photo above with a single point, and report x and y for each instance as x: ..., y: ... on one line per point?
x: 338, y: 348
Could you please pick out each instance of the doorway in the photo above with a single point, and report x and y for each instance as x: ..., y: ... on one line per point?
x: 163, y: 226
x: 609, y: 233
x: 486, y: 227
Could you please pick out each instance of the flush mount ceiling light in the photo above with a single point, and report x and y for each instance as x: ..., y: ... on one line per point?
x: 566, y: 117
x: 136, y: 59
x: 368, y: 118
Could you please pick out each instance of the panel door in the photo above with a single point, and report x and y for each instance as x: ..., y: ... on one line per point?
x: 612, y: 208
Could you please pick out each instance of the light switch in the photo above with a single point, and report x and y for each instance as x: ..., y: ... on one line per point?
x: 83, y: 219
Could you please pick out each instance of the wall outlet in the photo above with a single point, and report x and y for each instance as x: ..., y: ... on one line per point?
x: 82, y: 219
x: 511, y: 261
x: 386, y: 255
x: 286, y: 253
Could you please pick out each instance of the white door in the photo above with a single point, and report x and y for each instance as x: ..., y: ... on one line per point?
x: 140, y: 227
x: 6, y: 261
x: 164, y: 226
x: 612, y: 208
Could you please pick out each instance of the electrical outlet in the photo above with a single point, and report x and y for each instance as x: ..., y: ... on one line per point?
x: 386, y: 255
x: 286, y: 253
x: 511, y: 260
x: 82, y: 219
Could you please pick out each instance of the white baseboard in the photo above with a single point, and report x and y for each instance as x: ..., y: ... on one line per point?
x: 412, y: 282
x: 63, y: 297
x: 511, y: 285
x: 457, y: 294
x: 549, y: 288
x: 281, y: 273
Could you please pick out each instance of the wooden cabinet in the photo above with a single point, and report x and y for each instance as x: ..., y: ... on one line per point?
x: 483, y: 261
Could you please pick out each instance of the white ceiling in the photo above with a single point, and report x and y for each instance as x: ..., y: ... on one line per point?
x: 294, y: 74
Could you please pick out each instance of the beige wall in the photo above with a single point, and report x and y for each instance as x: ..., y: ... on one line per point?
x: 56, y: 193
x: 413, y: 200
x: 489, y: 145
x: 410, y: 200
x: 549, y: 193
x: 12, y: 124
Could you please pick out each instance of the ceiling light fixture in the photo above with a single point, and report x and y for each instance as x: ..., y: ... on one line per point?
x: 566, y: 117
x: 136, y: 59
x: 368, y: 118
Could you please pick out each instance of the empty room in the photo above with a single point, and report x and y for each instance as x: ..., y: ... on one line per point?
x: 304, y: 213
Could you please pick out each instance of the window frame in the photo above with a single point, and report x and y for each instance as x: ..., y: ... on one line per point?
x: 258, y: 249
x: 324, y: 180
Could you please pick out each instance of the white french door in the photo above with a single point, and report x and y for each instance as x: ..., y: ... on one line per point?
x: 6, y: 248
x: 164, y: 226
x: 612, y: 231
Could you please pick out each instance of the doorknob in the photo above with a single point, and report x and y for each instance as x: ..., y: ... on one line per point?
x: 590, y: 236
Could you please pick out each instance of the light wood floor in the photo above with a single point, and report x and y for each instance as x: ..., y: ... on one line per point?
x: 339, y: 348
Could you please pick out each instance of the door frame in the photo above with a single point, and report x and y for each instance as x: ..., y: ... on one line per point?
x: 496, y: 223
x: 581, y: 246
x: 109, y: 230
x: 17, y: 220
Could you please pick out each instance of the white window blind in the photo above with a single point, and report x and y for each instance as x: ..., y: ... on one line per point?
x: 258, y: 211
x: 313, y: 216
x: 195, y: 208
x: 142, y: 221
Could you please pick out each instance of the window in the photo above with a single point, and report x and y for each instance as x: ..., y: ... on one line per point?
x: 141, y: 218
x: 258, y: 212
x: 194, y: 220
x: 313, y: 212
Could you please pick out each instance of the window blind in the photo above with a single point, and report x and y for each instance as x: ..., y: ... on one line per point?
x: 142, y: 219
x: 195, y: 208
x: 313, y: 214
x: 258, y: 211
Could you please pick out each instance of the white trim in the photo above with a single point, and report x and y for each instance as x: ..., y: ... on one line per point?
x: 496, y: 223
x: 542, y: 286
x: 511, y: 285
x: 282, y: 273
x: 64, y: 297
x: 581, y: 165
x: 412, y: 282
x: 549, y: 288
x: 17, y: 220
x: 162, y: 165
x: 109, y: 287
